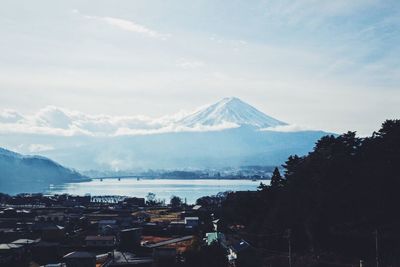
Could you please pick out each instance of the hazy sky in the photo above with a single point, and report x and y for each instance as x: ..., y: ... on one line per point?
x: 332, y: 65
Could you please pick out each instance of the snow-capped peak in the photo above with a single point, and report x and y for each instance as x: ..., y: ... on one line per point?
x: 230, y: 110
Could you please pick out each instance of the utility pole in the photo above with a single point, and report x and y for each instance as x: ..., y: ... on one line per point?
x: 376, y: 248
x: 289, y: 233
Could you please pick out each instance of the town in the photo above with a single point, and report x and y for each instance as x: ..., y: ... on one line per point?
x: 89, y: 231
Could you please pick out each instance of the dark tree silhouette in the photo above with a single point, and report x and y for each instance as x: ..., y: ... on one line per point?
x: 333, y: 199
x: 276, y: 179
x: 176, y: 202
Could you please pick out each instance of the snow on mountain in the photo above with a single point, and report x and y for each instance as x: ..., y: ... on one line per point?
x: 225, y: 134
x: 230, y: 110
x: 225, y: 114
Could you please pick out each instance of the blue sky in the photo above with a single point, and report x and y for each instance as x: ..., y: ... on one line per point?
x: 331, y: 65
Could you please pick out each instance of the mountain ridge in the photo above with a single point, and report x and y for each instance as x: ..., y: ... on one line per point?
x: 26, y: 173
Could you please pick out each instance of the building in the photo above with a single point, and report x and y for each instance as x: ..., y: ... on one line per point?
x: 80, y: 259
x: 52, y: 232
x: 107, y: 226
x: 215, y: 237
x: 215, y: 224
x: 45, y: 251
x: 25, y: 242
x: 57, y: 217
x: 130, y: 238
x: 164, y: 256
x: 11, y: 254
x: 237, y: 249
x: 100, y: 241
x: 135, y: 201
x: 192, y: 221
x: 127, y: 259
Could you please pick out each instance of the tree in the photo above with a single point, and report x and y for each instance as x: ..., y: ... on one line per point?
x: 175, y: 202
x: 151, y: 199
x: 276, y: 179
x: 262, y: 186
x: 332, y: 198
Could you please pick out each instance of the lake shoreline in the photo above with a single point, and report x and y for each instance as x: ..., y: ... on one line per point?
x: 191, y: 189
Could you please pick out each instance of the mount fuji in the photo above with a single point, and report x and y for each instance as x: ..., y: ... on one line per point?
x: 228, y: 133
x: 230, y: 110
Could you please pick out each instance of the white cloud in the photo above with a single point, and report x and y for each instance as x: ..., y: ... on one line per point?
x: 34, y: 148
x: 289, y: 128
x: 190, y: 64
x: 130, y: 26
x: 29, y: 128
x: 54, y: 117
x: 10, y: 116
x: 58, y: 121
x: 176, y: 128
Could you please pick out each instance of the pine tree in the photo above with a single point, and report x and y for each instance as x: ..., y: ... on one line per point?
x: 276, y: 179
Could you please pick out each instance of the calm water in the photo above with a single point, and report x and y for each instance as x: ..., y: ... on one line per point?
x: 163, y: 188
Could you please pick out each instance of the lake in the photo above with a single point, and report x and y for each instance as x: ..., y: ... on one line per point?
x: 163, y: 188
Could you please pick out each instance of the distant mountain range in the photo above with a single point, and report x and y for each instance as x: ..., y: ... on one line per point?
x: 229, y: 133
x: 19, y: 173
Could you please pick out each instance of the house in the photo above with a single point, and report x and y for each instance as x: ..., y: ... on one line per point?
x: 56, y: 217
x: 25, y: 242
x: 215, y: 224
x: 152, y: 228
x: 72, y: 201
x: 215, y: 237
x: 243, y: 254
x: 135, y: 201
x: 80, y: 259
x: 192, y: 221
x: 129, y: 259
x: 107, y: 226
x: 45, y: 251
x: 176, y: 227
x: 100, y: 241
x: 237, y: 249
x: 130, y: 238
x: 197, y: 207
x: 52, y: 232
x: 11, y: 254
x: 164, y: 256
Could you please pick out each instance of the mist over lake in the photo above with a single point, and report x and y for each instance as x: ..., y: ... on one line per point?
x: 163, y: 188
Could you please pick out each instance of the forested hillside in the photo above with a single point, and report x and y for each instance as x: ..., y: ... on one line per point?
x: 334, y: 202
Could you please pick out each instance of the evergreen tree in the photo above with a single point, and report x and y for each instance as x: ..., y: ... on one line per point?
x: 276, y: 179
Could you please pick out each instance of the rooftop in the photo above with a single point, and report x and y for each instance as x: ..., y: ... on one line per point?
x: 241, y: 245
x: 24, y: 241
x: 215, y: 237
x: 191, y: 218
x: 79, y: 255
x: 9, y: 246
x: 107, y: 221
x: 99, y: 238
